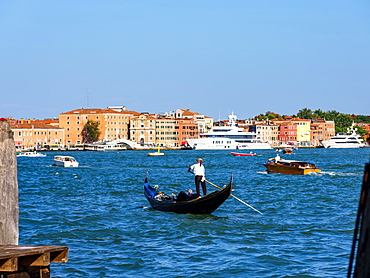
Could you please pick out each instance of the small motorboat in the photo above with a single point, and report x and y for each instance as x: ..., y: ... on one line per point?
x: 290, y: 167
x: 287, y: 151
x: 65, y: 161
x: 202, y: 205
x: 244, y: 154
x: 30, y: 154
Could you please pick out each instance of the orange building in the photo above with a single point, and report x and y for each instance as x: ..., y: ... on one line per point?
x: 367, y: 128
x: 112, y: 124
x: 187, y: 129
x: 205, y: 124
x: 37, y: 135
x: 321, y: 130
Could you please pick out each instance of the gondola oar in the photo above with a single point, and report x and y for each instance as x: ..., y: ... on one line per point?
x: 236, y: 198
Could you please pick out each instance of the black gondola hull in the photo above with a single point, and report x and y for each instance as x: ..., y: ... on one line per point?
x: 203, y: 205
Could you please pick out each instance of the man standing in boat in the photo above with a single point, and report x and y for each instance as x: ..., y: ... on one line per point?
x: 199, y: 172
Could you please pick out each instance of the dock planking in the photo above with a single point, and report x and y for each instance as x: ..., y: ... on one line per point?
x: 30, y: 260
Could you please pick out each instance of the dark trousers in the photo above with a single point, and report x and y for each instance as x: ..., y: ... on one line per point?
x: 197, y: 182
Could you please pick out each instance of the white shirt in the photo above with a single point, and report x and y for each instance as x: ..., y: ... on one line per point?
x: 198, y: 169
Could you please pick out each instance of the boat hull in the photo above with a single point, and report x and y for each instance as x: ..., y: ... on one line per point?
x: 243, y: 154
x: 214, y: 143
x: 203, y: 205
x: 155, y: 154
x: 334, y: 145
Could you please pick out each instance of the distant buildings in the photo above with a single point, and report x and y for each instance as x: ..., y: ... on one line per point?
x: 169, y: 130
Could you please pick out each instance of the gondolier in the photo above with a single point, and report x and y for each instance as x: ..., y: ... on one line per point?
x: 200, y: 178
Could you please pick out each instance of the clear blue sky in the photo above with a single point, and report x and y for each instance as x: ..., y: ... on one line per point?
x: 214, y: 57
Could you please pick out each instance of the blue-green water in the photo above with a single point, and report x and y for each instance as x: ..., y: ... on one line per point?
x: 99, y: 211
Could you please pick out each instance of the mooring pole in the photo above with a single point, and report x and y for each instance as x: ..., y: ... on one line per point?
x: 9, y: 210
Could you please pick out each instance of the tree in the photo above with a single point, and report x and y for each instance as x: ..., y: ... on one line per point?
x: 90, y: 132
x: 362, y: 119
x: 305, y: 113
x: 362, y: 132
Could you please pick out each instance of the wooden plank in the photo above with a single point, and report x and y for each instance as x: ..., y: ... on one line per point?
x: 35, y: 260
x: 10, y: 251
x: 9, y: 265
x: 18, y: 275
x: 39, y: 272
x: 59, y: 256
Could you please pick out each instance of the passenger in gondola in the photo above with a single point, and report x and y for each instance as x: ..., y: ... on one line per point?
x: 199, y: 172
x: 182, y: 196
x: 192, y: 195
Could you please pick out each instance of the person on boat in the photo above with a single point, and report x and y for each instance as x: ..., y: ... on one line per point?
x: 277, y: 158
x: 199, y: 171
x: 182, y: 196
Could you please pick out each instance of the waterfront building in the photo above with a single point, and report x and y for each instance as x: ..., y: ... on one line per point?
x: 205, y: 124
x: 187, y: 129
x: 266, y: 132
x: 37, y: 135
x: 287, y: 133
x: 166, y: 132
x: 152, y: 129
x: 112, y: 124
x: 321, y: 130
x: 303, y: 129
x: 142, y: 129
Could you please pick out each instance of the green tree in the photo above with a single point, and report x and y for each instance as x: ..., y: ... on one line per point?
x: 362, y: 119
x: 305, y: 113
x: 90, y: 132
x: 362, y: 132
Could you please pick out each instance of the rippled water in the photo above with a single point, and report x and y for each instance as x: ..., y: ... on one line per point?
x: 99, y: 211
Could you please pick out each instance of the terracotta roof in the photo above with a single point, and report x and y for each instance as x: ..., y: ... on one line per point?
x: 287, y: 123
x: 188, y: 112
x: 84, y: 111
x: 33, y: 126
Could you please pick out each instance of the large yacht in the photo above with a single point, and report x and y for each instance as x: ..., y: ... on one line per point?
x: 228, y: 137
x: 342, y: 140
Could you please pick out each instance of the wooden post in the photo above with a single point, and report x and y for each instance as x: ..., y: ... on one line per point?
x: 9, y: 210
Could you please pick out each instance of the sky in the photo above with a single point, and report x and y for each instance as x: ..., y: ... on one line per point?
x: 210, y: 56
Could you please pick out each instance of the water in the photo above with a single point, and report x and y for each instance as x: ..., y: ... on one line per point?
x: 99, y: 211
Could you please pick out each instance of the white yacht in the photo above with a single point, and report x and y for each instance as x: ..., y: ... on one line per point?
x: 342, y: 140
x: 109, y: 145
x: 65, y: 161
x: 30, y: 154
x: 228, y: 137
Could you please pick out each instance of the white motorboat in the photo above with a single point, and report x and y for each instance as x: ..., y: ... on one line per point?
x: 65, y: 161
x: 228, y: 137
x: 111, y: 145
x: 30, y: 154
x: 343, y: 140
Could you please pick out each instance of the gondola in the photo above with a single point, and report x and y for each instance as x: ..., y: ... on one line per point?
x: 202, y: 205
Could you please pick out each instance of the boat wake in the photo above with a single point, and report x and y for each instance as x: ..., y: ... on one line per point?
x: 262, y: 172
x: 338, y: 174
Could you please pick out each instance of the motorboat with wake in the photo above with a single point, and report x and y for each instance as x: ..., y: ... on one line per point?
x: 290, y: 167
